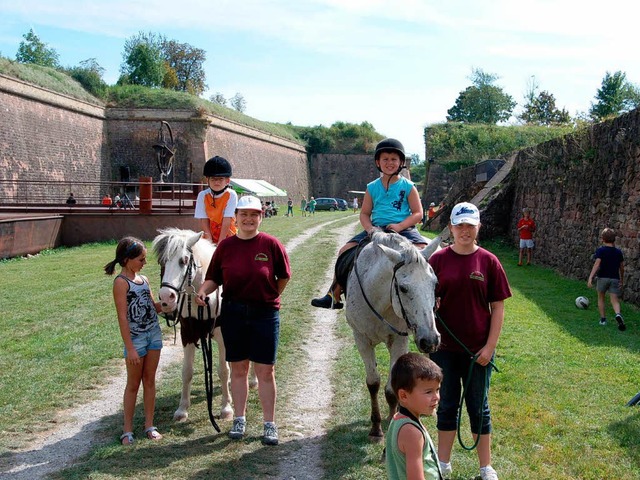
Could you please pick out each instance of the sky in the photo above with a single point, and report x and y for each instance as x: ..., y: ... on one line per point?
x: 397, y: 64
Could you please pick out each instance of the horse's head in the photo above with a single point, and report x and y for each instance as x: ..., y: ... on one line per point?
x: 183, y: 264
x: 413, y: 290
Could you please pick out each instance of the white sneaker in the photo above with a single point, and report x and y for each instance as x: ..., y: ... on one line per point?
x: 488, y: 473
x: 238, y: 428
x: 446, y: 469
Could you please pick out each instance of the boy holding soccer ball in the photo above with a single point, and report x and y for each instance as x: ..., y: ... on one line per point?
x: 609, y: 267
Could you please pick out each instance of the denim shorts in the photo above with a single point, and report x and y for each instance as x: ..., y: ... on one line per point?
x: 526, y: 243
x: 455, y: 367
x: 145, y: 341
x: 410, y: 234
x: 250, y: 332
x: 611, y: 285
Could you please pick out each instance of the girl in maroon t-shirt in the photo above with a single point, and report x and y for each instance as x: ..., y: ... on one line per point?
x: 253, y: 269
x: 472, y: 287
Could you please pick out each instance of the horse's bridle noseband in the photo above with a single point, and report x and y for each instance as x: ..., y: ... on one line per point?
x: 394, y: 286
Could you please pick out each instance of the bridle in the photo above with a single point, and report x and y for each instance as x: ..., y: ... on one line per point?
x: 411, y: 327
x: 185, y: 291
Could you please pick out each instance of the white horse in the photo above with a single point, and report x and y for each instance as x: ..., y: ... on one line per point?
x: 391, y: 294
x: 185, y: 256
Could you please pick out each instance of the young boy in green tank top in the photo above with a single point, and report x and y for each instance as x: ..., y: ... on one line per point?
x: 410, y: 453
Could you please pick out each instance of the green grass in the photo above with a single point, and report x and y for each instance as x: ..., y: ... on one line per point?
x: 558, y: 402
x: 48, y: 78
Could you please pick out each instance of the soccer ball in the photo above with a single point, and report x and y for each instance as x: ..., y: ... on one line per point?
x: 582, y: 303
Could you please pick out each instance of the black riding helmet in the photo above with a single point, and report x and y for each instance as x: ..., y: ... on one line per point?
x: 217, y: 167
x: 390, y: 145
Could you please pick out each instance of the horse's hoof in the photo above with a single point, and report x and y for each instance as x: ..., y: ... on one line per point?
x: 226, y: 414
x: 180, y: 416
x: 253, y: 384
x: 376, y: 438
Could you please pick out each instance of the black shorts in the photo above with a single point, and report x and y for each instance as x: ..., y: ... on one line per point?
x: 250, y: 332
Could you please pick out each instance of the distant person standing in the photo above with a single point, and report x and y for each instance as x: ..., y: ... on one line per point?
x: 431, y: 212
x: 526, y: 227
x: 71, y: 200
x: 609, y: 268
x: 312, y: 206
x: 106, y: 200
x: 303, y: 206
x: 290, y: 207
x: 355, y: 204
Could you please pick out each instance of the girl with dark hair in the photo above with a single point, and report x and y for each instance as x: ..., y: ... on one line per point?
x: 140, y: 330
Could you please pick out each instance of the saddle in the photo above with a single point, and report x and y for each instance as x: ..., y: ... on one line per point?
x: 345, y: 262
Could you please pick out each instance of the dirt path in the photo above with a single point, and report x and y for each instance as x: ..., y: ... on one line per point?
x: 78, y: 431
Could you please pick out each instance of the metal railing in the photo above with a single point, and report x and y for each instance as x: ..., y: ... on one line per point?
x: 88, y: 194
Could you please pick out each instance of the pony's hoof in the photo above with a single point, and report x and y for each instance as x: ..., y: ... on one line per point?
x: 226, y: 414
x: 253, y: 384
x: 180, y: 416
x: 376, y: 438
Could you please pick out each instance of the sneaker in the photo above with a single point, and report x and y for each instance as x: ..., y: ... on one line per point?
x: 237, y: 431
x: 488, y: 473
x: 603, y: 321
x: 445, y: 469
x: 270, y: 436
x: 621, y: 326
x: 326, y: 302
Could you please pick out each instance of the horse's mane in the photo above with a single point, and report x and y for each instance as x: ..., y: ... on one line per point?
x: 398, y: 243
x: 171, y: 242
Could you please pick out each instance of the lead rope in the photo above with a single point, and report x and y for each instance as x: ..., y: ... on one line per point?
x: 485, y: 389
x: 207, y: 358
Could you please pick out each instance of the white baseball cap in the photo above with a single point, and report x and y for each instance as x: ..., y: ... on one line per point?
x: 249, y: 202
x: 465, y: 213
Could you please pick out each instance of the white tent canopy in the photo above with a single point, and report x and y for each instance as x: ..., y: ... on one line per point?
x: 259, y: 188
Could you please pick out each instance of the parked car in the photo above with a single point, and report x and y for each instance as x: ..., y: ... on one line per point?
x: 330, y: 204
x: 342, y: 204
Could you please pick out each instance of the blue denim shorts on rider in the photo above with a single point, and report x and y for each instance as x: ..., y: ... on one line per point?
x: 145, y: 341
x: 250, y: 332
x: 410, y: 234
x: 455, y: 368
x: 611, y: 285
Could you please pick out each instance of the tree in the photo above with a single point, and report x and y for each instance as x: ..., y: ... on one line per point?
x: 89, y: 74
x: 186, y: 62
x: 238, y: 103
x: 482, y: 102
x: 218, y: 98
x: 541, y: 109
x: 33, y: 50
x: 616, y: 95
x: 143, y: 62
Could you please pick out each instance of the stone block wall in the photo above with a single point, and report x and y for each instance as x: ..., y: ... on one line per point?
x: 48, y: 137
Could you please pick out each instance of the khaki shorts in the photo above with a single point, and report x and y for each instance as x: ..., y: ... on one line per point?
x: 612, y: 285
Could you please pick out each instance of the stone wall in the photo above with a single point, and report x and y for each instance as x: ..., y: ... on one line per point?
x: 49, y: 137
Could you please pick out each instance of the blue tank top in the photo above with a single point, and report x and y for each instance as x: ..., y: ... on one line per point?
x: 392, y: 205
x: 141, y: 311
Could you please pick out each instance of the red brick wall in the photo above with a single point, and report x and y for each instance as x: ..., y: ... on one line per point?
x: 49, y: 137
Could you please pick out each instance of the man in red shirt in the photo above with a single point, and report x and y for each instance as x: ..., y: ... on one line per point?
x: 526, y: 227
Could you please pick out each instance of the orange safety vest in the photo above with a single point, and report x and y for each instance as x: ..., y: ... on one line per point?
x: 215, y: 208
